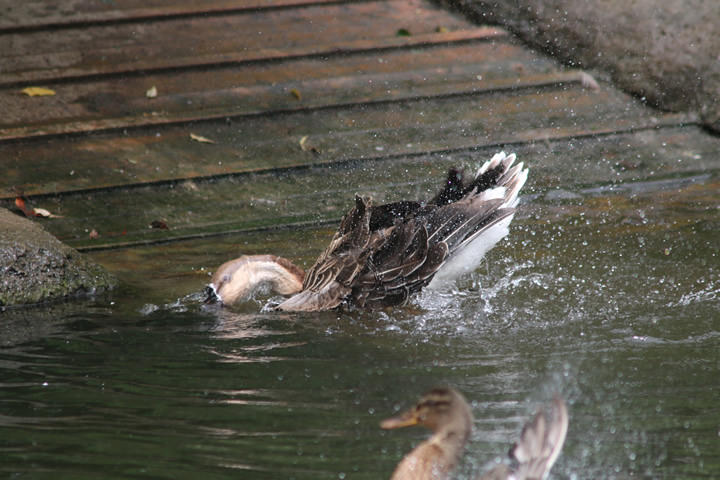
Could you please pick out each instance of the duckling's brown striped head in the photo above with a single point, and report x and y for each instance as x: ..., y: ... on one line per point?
x: 438, y: 408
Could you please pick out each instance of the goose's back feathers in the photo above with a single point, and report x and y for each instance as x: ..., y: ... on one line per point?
x: 381, y: 255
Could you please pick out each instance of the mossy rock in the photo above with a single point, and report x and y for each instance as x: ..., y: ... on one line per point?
x: 36, y: 267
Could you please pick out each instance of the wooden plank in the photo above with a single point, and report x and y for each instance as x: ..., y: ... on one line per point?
x: 245, y: 89
x: 322, y: 194
x: 113, y: 61
x: 193, y: 96
x: 204, y: 41
x: 273, y: 142
x: 43, y: 14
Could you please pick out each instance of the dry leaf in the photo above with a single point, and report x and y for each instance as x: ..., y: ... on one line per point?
x: 441, y: 30
x: 37, y: 91
x: 587, y: 81
x: 159, y: 224
x: 200, y: 139
x: 152, y: 92
x: 41, y: 212
x: 308, y: 148
x: 190, y: 185
x: 20, y: 203
x: 296, y: 93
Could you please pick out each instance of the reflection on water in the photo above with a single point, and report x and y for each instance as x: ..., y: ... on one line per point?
x: 611, y: 300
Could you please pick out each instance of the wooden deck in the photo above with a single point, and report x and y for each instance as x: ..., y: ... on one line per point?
x: 297, y: 105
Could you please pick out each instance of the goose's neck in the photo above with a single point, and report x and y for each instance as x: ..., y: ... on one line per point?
x: 238, y: 279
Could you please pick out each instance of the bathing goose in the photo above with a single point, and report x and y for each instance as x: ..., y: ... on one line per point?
x: 383, y: 254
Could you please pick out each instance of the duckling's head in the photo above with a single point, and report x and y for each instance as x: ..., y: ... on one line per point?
x: 438, y: 409
x: 235, y: 281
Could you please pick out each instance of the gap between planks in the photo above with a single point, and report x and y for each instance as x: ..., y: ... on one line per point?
x: 111, y: 17
x: 550, y: 135
x: 138, y: 122
x: 157, y: 65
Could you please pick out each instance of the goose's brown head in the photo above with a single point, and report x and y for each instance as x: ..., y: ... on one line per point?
x: 235, y: 281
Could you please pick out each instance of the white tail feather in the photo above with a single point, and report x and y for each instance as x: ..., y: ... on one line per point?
x: 495, y: 161
x: 492, y: 194
x: 469, y: 257
x: 470, y: 253
x: 514, y: 188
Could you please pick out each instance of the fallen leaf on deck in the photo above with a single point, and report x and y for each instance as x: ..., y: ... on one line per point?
x: 190, y: 185
x: 296, y: 93
x: 403, y: 32
x: 37, y: 91
x: 41, y: 212
x: 20, y: 203
x: 308, y: 148
x: 441, y: 30
x: 159, y: 224
x: 94, y: 234
x: 587, y: 81
x: 152, y: 92
x: 200, y: 139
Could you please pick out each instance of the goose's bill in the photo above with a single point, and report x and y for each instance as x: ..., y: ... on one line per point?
x: 406, y: 419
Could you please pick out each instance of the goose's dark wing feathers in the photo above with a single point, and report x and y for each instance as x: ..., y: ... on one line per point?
x: 349, y: 247
x: 416, y: 249
x: 384, y: 216
x: 454, y: 189
x: 382, y: 254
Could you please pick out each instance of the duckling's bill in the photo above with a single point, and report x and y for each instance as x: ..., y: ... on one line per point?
x: 406, y: 419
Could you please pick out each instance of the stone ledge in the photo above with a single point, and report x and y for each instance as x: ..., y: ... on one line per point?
x: 667, y: 52
x: 35, y: 267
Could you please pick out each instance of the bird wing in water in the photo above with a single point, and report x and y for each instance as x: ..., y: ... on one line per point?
x: 540, y: 442
x: 537, y: 449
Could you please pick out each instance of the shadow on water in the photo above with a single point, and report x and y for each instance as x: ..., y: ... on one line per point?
x: 610, y: 299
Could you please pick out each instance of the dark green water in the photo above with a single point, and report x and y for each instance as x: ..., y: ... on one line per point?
x: 612, y: 299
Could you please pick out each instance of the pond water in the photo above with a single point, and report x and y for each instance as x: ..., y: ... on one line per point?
x: 610, y: 298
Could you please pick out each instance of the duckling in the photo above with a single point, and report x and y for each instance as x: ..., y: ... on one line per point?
x: 381, y: 255
x: 447, y: 414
